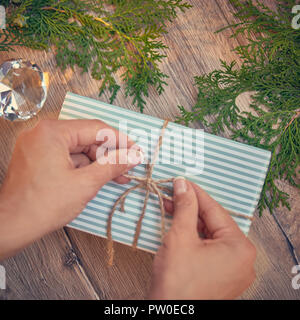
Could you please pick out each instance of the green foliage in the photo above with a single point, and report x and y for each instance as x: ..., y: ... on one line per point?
x: 270, y: 70
x: 105, y: 37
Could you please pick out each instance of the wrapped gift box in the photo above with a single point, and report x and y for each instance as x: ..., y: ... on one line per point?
x: 232, y: 173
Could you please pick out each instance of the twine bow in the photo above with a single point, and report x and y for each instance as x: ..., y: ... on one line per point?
x: 150, y: 185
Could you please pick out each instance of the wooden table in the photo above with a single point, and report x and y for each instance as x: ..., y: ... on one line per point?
x: 70, y: 264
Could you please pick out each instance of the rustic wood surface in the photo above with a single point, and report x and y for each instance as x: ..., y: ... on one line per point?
x: 70, y: 264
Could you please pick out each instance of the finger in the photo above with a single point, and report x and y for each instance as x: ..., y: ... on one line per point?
x: 133, y: 151
x: 201, y: 226
x: 116, y: 163
x: 83, y: 132
x: 89, y: 150
x: 216, y: 219
x: 169, y: 206
x: 121, y: 180
x: 185, y: 215
x: 80, y: 160
x: 92, y: 150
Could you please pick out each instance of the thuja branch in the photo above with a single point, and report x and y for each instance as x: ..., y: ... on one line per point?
x: 108, y: 25
x: 271, y: 71
x: 295, y: 116
x: 102, y: 37
x: 96, y: 19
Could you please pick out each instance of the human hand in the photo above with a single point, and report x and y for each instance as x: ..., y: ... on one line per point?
x: 52, y: 175
x: 221, y: 266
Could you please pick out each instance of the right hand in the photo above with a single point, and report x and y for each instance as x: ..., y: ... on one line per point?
x: 221, y: 266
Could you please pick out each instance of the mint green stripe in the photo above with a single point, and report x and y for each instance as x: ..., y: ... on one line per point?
x: 103, y: 117
x: 253, y: 175
x: 115, y: 229
x: 128, y: 205
x: 245, y: 223
x: 116, y: 113
x: 262, y: 157
x: 204, y: 175
x: 132, y: 115
x: 213, y: 194
x: 128, y: 217
x: 262, y: 153
x: 120, y: 224
x: 119, y: 187
x: 103, y: 234
x: 129, y: 113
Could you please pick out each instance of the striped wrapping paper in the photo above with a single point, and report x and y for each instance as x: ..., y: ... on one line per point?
x: 232, y: 173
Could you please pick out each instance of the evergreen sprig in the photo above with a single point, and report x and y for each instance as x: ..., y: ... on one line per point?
x: 106, y: 37
x: 270, y: 72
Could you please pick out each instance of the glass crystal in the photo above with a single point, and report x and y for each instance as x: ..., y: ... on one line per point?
x: 23, y: 89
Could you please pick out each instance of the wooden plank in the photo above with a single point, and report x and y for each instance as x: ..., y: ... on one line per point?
x: 128, y: 278
x: 273, y: 264
x: 48, y: 269
x: 289, y: 220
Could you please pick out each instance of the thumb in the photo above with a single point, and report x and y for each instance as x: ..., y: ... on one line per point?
x: 110, y: 166
x: 185, y: 208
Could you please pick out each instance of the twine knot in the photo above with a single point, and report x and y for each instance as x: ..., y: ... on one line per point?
x: 151, y: 186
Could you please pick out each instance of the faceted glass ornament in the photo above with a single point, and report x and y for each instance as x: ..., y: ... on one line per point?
x: 23, y: 89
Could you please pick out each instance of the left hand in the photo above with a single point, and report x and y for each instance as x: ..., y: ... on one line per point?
x: 52, y: 176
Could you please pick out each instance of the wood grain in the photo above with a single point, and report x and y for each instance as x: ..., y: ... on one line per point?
x: 289, y: 220
x: 128, y: 278
x: 273, y: 264
x: 48, y: 269
x: 41, y: 271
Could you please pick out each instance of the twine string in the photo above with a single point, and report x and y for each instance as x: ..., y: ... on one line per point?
x: 151, y: 186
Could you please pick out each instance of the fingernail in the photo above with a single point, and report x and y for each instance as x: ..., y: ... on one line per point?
x: 180, y: 185
x: 135, y: 157
x: 136, y: 147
